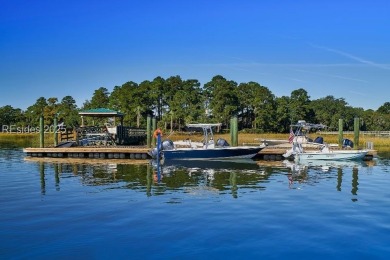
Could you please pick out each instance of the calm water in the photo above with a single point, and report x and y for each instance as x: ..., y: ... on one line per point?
x: 101, y: 210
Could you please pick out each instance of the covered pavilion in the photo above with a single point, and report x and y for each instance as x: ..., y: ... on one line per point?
x: 101, y: 112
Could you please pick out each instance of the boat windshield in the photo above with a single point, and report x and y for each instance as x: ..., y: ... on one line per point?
x: 207, y: 131
x: 302, y: 128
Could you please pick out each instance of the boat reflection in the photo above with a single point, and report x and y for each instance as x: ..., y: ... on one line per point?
x: 326, y: 165
x: 195, y: 178
x: 188, y: 177
x: 312, y: 172
x: 221, y: 176
x: 323, y: 165
x: 193, y: 165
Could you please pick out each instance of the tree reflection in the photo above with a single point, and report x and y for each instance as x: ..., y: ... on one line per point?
x: 154, y: 181
x: 196, y: 178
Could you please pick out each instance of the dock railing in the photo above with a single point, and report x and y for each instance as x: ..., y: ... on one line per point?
x: 67, y: 134
x: 363, y: 133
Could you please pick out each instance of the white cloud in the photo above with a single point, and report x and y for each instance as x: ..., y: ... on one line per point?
x: 353, y: 57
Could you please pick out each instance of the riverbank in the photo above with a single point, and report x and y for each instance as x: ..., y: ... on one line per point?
x: 381, y: 144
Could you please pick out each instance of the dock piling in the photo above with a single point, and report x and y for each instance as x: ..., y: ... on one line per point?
x: 356, y: 128
x: 234, y: 131
x: 41, y: 132
x: 148, y: 131
x: 154, y: 127
x: 341, y: 126
x: 55, y: 131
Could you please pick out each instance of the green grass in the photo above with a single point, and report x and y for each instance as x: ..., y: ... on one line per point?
x: 381, y: 144
x: 24, y: 140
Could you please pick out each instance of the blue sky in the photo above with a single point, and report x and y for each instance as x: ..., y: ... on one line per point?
x: 55, y: 48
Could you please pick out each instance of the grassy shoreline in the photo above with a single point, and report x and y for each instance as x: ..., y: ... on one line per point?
x: 381, y: 144
x: 24, y: 140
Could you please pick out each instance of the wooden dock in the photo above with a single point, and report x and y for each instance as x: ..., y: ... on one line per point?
x: 96, y: 152
x: 270, y: 153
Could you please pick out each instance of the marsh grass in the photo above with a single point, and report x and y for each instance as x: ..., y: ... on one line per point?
x: 381, y: 144
x: 24, y: 140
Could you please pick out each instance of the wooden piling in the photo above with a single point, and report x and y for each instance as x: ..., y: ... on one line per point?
x: 41, y: 132
x: 148, y: 131
x: 341, y: 125
x: 154, y: 127
x: 55, y: 131
x: 356, y: 128
x: 231, y: 130
x: 234, y: 131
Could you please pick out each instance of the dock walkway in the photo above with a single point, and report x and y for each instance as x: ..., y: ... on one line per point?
x: 101, y: 152
x: 269, y: 153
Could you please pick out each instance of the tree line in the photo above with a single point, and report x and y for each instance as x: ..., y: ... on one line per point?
x: 175, y: 102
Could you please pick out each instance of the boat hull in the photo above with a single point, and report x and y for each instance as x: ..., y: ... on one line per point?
x: 210, y: 154
x: 339, y: 155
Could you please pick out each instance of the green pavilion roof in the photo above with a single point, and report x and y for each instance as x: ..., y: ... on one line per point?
x: 101, y: 112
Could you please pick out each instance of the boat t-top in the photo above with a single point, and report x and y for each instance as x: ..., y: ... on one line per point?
x: 323, y: 151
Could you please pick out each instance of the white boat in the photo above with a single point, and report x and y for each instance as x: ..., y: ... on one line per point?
x: 324, y: 164
x: 323, y: 150
x: 327, y: 154
x: 206, y: 150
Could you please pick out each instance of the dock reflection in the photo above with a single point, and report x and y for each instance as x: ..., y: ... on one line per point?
x: 200, y: 177
x: 193, y: 177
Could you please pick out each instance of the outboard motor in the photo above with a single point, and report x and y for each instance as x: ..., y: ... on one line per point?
x: 222, y: 143
x: 153, y: 153
x: 347, y: 143
x: 165, y: 145
x: 319, y: 140
x: 168, y: 145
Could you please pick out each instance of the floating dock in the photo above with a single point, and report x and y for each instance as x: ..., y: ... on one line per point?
x: 269, y: 153
x: 98, y: 152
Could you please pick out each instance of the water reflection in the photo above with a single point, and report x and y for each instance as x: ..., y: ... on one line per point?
x: 201, y: 177
x: 194, y: 177
x: 188, y: 177
x: 299, y: 172
x: 42, y: 176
